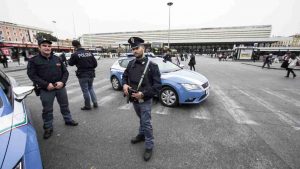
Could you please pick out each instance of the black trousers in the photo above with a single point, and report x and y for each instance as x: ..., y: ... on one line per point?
x: 268, y: 63
x: 47, y: 98
x: 289, y: 70
x: 192, y: 66
x: 5, y: 65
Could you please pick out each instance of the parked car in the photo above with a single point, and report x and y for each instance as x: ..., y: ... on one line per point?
x: 179, y: 86
x: 18, y: 143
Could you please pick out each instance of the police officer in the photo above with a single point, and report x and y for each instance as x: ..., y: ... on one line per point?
x: 168, y: 56
x: 150, y: 86
x: 86, y: 64
x: 49, y: 74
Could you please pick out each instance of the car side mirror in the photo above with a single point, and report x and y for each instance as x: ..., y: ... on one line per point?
x: 22, y: 92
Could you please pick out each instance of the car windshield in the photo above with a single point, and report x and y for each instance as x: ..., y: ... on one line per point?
x: 165, y: 66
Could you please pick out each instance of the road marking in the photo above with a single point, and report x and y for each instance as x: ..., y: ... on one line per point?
x: 75, y: 82
x: 97, y: 91
x: 108, y: 98
x: 284, y: 117
x: 161, y: 110
x: 77, y: 89
x: 283, y: 97
x: 126, y: 106
x: 233, y: 108
x: 201, y: 113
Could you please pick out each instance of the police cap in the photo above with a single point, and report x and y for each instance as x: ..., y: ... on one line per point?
x: 43, y: 40
x: 135, y: 41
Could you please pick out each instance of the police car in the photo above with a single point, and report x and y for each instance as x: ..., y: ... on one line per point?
x: 18, y: 143
x: 179, y: 86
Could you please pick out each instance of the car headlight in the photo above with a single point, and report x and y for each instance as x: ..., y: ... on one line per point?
x: 188, y: 86
x: 19, y: 165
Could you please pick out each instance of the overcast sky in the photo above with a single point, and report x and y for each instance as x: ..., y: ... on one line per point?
x: 105, y: 16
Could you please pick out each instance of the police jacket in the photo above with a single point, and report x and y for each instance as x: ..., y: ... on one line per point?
x: 42, y: 70
x: 85, y: 63
x: 151, y: 84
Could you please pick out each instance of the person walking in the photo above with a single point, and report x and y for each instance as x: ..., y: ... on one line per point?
x: 267, y: 61
x: 168, y: 56
x: 142, y: 81
x: 3, y: 60
x: 192, y: 62
x: 86, y: 64
x: 292, y: 64
x: 64, y: 59
x: 49, y: 75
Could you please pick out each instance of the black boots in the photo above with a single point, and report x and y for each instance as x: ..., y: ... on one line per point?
x: 86, y: 108
x: 71, y: 123
x: 147, y: 154
x: 137, y: 139
x: 48, y: 133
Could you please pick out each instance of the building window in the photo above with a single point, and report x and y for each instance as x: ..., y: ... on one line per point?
x: 16, y: 39
x: 7, y: 33
x: 1, y: 32
x: 15, y: 33
x: 21, y: 34
x: 9, y: 39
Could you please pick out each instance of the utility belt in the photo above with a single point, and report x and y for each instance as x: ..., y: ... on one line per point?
x: 85, y: 73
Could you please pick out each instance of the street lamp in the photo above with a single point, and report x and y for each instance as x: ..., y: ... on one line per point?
x: 54, y: 22
x: 169, y: 4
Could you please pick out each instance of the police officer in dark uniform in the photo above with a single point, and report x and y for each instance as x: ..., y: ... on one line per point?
x: 168, y: 56
x: 86, y: 64
x: 142, y: 99
x: 50, y: 75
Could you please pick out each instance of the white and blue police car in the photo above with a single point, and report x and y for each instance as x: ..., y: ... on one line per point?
x: 19, y: 147
x: 179, y: 86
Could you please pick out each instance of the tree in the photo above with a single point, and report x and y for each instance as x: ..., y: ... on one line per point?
x: 41, y: 35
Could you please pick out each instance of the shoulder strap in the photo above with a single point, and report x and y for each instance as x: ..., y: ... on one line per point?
x: 143, y: 75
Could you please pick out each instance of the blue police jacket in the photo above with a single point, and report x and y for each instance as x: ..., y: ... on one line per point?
x: 151, y: 84
x: 85, y: 63
x: 42, y: 70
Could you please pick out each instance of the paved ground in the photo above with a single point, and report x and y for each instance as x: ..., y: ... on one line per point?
x: 250, y: 120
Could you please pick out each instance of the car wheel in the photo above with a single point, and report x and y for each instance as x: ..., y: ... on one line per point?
x: 168, y: 97
x: 115, y: 83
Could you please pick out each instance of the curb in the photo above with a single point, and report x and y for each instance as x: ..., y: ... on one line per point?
x: 14, y: 70
x: 297, y: 69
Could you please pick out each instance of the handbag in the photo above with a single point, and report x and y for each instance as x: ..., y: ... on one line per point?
x: 285, y: 64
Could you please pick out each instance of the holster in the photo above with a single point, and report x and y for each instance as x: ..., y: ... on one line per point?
x: 37, y: 90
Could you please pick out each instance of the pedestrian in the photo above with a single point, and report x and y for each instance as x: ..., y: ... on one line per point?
x: 292, y: 64
x: 86, y: 64
x: 177, y: 59
x: 49, y: 75
x: 267, y: 61
x: 167, y: 56
x: 64, y: 59
x: 192, y: 62
x: 4, y: 61
x: 145, y: 88
x: 181, y: 57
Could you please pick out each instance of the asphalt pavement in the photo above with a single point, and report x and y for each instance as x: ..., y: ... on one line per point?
x: 250, y: 120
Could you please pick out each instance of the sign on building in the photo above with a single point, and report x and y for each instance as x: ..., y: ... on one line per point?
x: 156, y: 45
x: 246, y: 53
